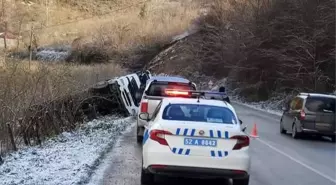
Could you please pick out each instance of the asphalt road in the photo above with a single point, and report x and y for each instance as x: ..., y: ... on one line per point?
x: 276, y: 159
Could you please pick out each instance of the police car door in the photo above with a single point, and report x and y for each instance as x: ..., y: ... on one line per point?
x: 149, y: 124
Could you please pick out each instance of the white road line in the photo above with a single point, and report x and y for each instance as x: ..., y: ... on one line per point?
x: 297, y: 161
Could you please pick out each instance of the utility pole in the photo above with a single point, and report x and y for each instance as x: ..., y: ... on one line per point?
x: 30, y: 45
x: 5, y: 37
x: 3, y: 20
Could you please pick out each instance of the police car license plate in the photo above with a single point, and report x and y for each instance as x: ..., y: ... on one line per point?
x: 200, y: 142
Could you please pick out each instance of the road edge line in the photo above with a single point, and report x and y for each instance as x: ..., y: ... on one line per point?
x: 297, y: 161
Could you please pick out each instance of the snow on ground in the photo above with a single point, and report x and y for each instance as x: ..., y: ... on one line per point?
x: 69, y: 158
x: 98, y: 174
x: 270, y: 106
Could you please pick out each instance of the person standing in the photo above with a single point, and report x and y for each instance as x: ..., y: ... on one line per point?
x: 225, y: 97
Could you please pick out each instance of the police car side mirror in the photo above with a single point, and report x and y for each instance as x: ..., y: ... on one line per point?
x: 144, y: 116
x: 244, y: 129
x: 240, y: 121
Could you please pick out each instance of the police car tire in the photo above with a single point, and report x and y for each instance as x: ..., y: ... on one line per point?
x: 244, y: 181
x: 146, y: 178
x: 139, y: 139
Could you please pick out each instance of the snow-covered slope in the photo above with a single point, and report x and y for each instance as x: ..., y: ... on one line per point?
x: 67, y: 159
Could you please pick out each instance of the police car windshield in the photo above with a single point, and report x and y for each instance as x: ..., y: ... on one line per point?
x: 199, y: 113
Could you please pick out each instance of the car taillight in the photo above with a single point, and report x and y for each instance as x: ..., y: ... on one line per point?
x: 159, y: 136
x: 144, y: 106
x: 302, y: 115
x: 242, y: 141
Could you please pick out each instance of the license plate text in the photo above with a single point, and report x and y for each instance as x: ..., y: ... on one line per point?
x: 200, y: 142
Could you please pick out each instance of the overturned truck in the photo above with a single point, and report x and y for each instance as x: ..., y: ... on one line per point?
x: 117, y: 95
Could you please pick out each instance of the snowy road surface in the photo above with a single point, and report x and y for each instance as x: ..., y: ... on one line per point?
x: 276, y: 159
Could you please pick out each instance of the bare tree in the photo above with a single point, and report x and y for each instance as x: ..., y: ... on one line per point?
x: 261, y: 46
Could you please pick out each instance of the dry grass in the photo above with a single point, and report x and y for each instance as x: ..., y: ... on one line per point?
x: 159, y: 23
x: 128, y: 29
x: 23, y: 86
x: 136, y: 35
x: 125, y: 22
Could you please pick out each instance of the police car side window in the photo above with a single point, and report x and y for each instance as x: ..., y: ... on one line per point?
x: 156, y: 111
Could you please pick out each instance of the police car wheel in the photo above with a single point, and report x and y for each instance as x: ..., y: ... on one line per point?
x: 146, y: 178
x: 139, y: 139
x: 244, y: 181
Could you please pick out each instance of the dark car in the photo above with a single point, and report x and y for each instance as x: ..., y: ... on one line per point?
x: 310, y: 114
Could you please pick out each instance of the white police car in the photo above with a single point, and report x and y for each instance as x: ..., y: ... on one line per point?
x: 196, y: 138
x: 155, y: 91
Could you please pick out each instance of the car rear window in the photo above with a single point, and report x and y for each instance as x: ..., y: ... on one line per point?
x: 320, y: 104
x: 199, y: 113
x: 158, y: 89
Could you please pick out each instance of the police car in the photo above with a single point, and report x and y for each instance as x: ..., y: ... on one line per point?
x: 195, y: 137
x: 154, y: 92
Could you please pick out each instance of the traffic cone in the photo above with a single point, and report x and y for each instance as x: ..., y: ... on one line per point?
x: 254, y: 132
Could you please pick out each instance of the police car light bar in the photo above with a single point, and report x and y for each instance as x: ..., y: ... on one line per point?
x: 175, y: 92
